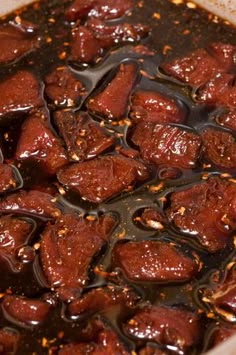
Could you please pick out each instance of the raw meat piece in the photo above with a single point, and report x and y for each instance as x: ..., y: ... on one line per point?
x: 62, y: 87
x: 112, y: 102
x: 14, y: 232
x: 219, y: 91
x: 151, y: 106
x: 68, y: 247
x: 219, y: 147
x: 228, y: 119
x: 103, y: 9
x: 102, y: 178
x: 84, y: 138
x: 206, y: 211
x: 19, y: 92
x: 15, y: 41
x: 165, y: 144
x: 38, y: 143
x: 8, y: 340
x: 100, y: 299
x: 165, y: 325
x: 7, y: 178
x: 30, y: 202
x: 153, y: 261
x: 25, y: 310
x: 195, y: 69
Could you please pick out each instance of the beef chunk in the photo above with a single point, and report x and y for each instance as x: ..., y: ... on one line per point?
x: 62, y: 87
x: 224, y: 53
x: 103, y: 9
x: 228, y: 119
x: 112, y: 101
x: 206, y: 211
x: 219, y: 91
x: 152, y: 218
x: 107, y: 342
x: 15, y: 41
x: 8, y: 341
x: 14, y: 233
x: 222, y: 333
x: 7, y: 178
x: 153, y: 261
x: 165, y: 325
x: 101, y: 299
x: 154, y: 350
x: 151, y: 106
x: 19, y: 92
x: 30, y: 202
x: 219, y: 148
x: 84, y: 138
x: 169, y: 145
x: 37, y: 143
x: 195, y: 69
x: 68, y: 247
x: 102, y: 178
x: 25, y: 310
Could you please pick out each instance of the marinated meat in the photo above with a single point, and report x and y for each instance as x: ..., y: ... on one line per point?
x: 165, y: 144
x: 219, y: 148
x: 165, y: 325
x: 104, y: 177
x: 67, y: 250
x: 151, y: 106
x: 30, y: 202
x: 7, y: 178
x: 14, y: 233
x: 19, y: 92
x: 38, y: 143
x: 63, y: 88
x: 101, y: 299
x: 219, y: 91
x: 154, y: 350
x: 222, y: 333
x: 84, y: 138
x: 206, y: 211
x: 228, y: 119
x: 16, y: 41
x: 225, y: 54
x: 112, y: 102
x: 25, y: 310
x: 102, y: 9
x: 153, y: 261
x: 9, y: 339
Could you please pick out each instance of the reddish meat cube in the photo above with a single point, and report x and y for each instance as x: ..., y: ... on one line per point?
x: 84, y: 138
x: 103, y: 9
x: 38, y: 143
x: 222, y: 333
x: 219, y: 91
x: 164, y: 144
x: 154, y: 350
x: 219, y: 148
x: 68, y: 247
x: 30, y: 202
x: 112, y: 102
x: 153, y: 261
x: 151, y: 106
x: 19, y: 92
x: 228, y: 119
x: 152, y: 218
x: 206, y: 211
x: 107, y: 343
x: 8, y: 341
x: 7, y: 178
x: 14, y: 233
x: 15, y: 41
x: 224, y: 53
x: 101, y: 299
x: 165, y: 325
x: 194, y: 69
x: 25, y: 310
x: 85, y: 47
x: 63, y: 88
x: 104, y: 177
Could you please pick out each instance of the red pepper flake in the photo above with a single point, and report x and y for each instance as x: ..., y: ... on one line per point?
x: 156, y: 16
x: 166, y: 49
x: 62, y: 55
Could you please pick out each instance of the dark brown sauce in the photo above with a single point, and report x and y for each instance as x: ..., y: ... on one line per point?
x: 165, y: 31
